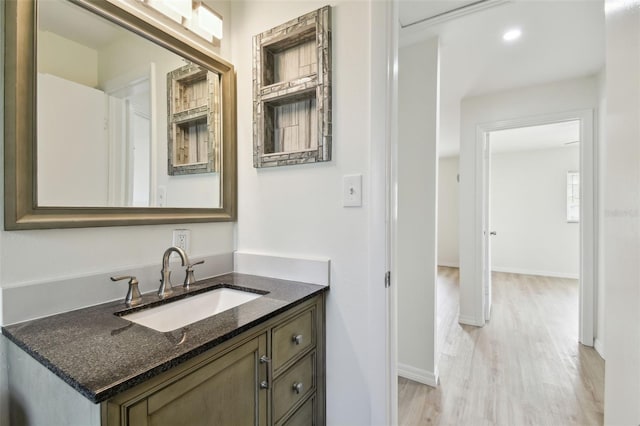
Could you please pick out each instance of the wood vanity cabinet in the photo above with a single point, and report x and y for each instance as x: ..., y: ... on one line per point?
x: 272, y: 374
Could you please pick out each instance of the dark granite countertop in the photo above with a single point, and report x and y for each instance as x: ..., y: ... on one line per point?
x: 100, y: 354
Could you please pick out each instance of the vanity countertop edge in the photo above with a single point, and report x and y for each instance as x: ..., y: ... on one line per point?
x: 100, y: 354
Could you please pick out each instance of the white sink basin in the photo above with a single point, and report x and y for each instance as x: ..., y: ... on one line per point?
x: 174, y: 315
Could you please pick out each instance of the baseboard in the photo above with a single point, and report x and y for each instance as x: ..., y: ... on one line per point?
x: 534, y: 272
x: 599, y: 347
x: 308, y: 270
x: 449, y: 264
x: 462, y: 319
x: 425, y: 377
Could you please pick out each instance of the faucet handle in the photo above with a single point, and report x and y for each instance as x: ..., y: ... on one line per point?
x: 189, y: 278
x: 133, y: 297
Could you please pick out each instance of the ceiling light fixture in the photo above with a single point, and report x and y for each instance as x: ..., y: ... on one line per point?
x: 206, y: 23
x: 192, y: 15
x: 174, y: 9
x: 512, y: 35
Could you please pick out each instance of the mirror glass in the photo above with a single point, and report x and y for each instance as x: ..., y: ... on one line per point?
x: 121, y: 121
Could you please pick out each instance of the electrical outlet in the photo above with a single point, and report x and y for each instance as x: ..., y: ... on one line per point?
x: 181, y: 239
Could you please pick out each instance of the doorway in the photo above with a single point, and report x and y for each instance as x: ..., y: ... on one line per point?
x: 132, y: 139
x: 532, y: 203
x: 519, y: 82
x: 130, y: 144
x: 582, y: 122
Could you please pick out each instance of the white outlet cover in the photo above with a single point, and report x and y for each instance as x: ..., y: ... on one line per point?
x: 182, y: 239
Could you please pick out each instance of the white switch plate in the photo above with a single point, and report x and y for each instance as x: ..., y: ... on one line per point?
x: 181, y: 239
x: 352, y: 191
x: 162, y: 196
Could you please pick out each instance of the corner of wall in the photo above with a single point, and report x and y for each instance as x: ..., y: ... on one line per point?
x: 429, y: 378
x: 416, y: 236
x: 598, y: 344
x: 600, y: 166
x: 621, y: 215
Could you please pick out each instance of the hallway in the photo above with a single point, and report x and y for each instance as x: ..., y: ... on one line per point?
x: 525, y: 367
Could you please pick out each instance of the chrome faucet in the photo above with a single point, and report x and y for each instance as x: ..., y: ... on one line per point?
x: 165, y: 282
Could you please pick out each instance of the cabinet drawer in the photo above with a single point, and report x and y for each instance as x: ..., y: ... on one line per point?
x: 303, y: 416
x: 294, y: 385
x: 293, y: 337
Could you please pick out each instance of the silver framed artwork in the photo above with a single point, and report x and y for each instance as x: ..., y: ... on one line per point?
x: 292, y: 92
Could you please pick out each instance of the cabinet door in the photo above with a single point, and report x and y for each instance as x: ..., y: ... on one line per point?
x: 223, y: 392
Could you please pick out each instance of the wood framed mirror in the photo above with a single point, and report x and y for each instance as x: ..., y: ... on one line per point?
x: 54, y: 175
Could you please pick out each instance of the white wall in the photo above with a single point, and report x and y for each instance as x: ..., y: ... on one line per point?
x: 529, y: 213
x: 562, y: 96
x: 516, y: 248
x: 418, y: 90
x: 621, y: 211
x: 297, y: 210
x: 448, y: 212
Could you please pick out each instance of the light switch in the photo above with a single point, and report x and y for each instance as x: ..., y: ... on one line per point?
x: 162, y: 195
x: 352, y: 191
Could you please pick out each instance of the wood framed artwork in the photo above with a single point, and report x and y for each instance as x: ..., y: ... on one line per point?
x: 194, y: 120
x: 292, y: 92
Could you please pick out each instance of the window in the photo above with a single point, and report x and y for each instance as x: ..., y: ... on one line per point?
x: 573, y: 197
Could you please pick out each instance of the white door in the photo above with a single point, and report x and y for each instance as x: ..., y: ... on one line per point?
x: 139, y: 158
x: 132, y: 138
x: 71, y: 159
x: 487, y: 231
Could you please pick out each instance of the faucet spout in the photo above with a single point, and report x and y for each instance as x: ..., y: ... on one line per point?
x: 165, y: 281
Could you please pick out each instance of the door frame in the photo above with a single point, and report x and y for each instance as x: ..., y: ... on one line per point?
x: 588, y: 208
x: 486, y: 225
x: 382, y: 206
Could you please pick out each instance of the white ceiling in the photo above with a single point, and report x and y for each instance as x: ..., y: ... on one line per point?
x: 560, y: 40
x: 422, y: 10
x: 546, y: 136
x: 74, y: 23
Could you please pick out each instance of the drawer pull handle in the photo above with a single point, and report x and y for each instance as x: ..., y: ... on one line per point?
x: 266, y: 360
x: 297, y: 387
x: 296, y: 338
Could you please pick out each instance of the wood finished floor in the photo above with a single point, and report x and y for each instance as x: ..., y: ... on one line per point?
x: 525, y: 367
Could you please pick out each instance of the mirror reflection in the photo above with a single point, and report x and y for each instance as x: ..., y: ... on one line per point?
x: 121, y: 121
x: 194, y: 120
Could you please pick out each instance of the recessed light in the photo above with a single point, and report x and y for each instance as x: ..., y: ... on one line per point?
x: 613, y: 6
x: 512, y: 34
